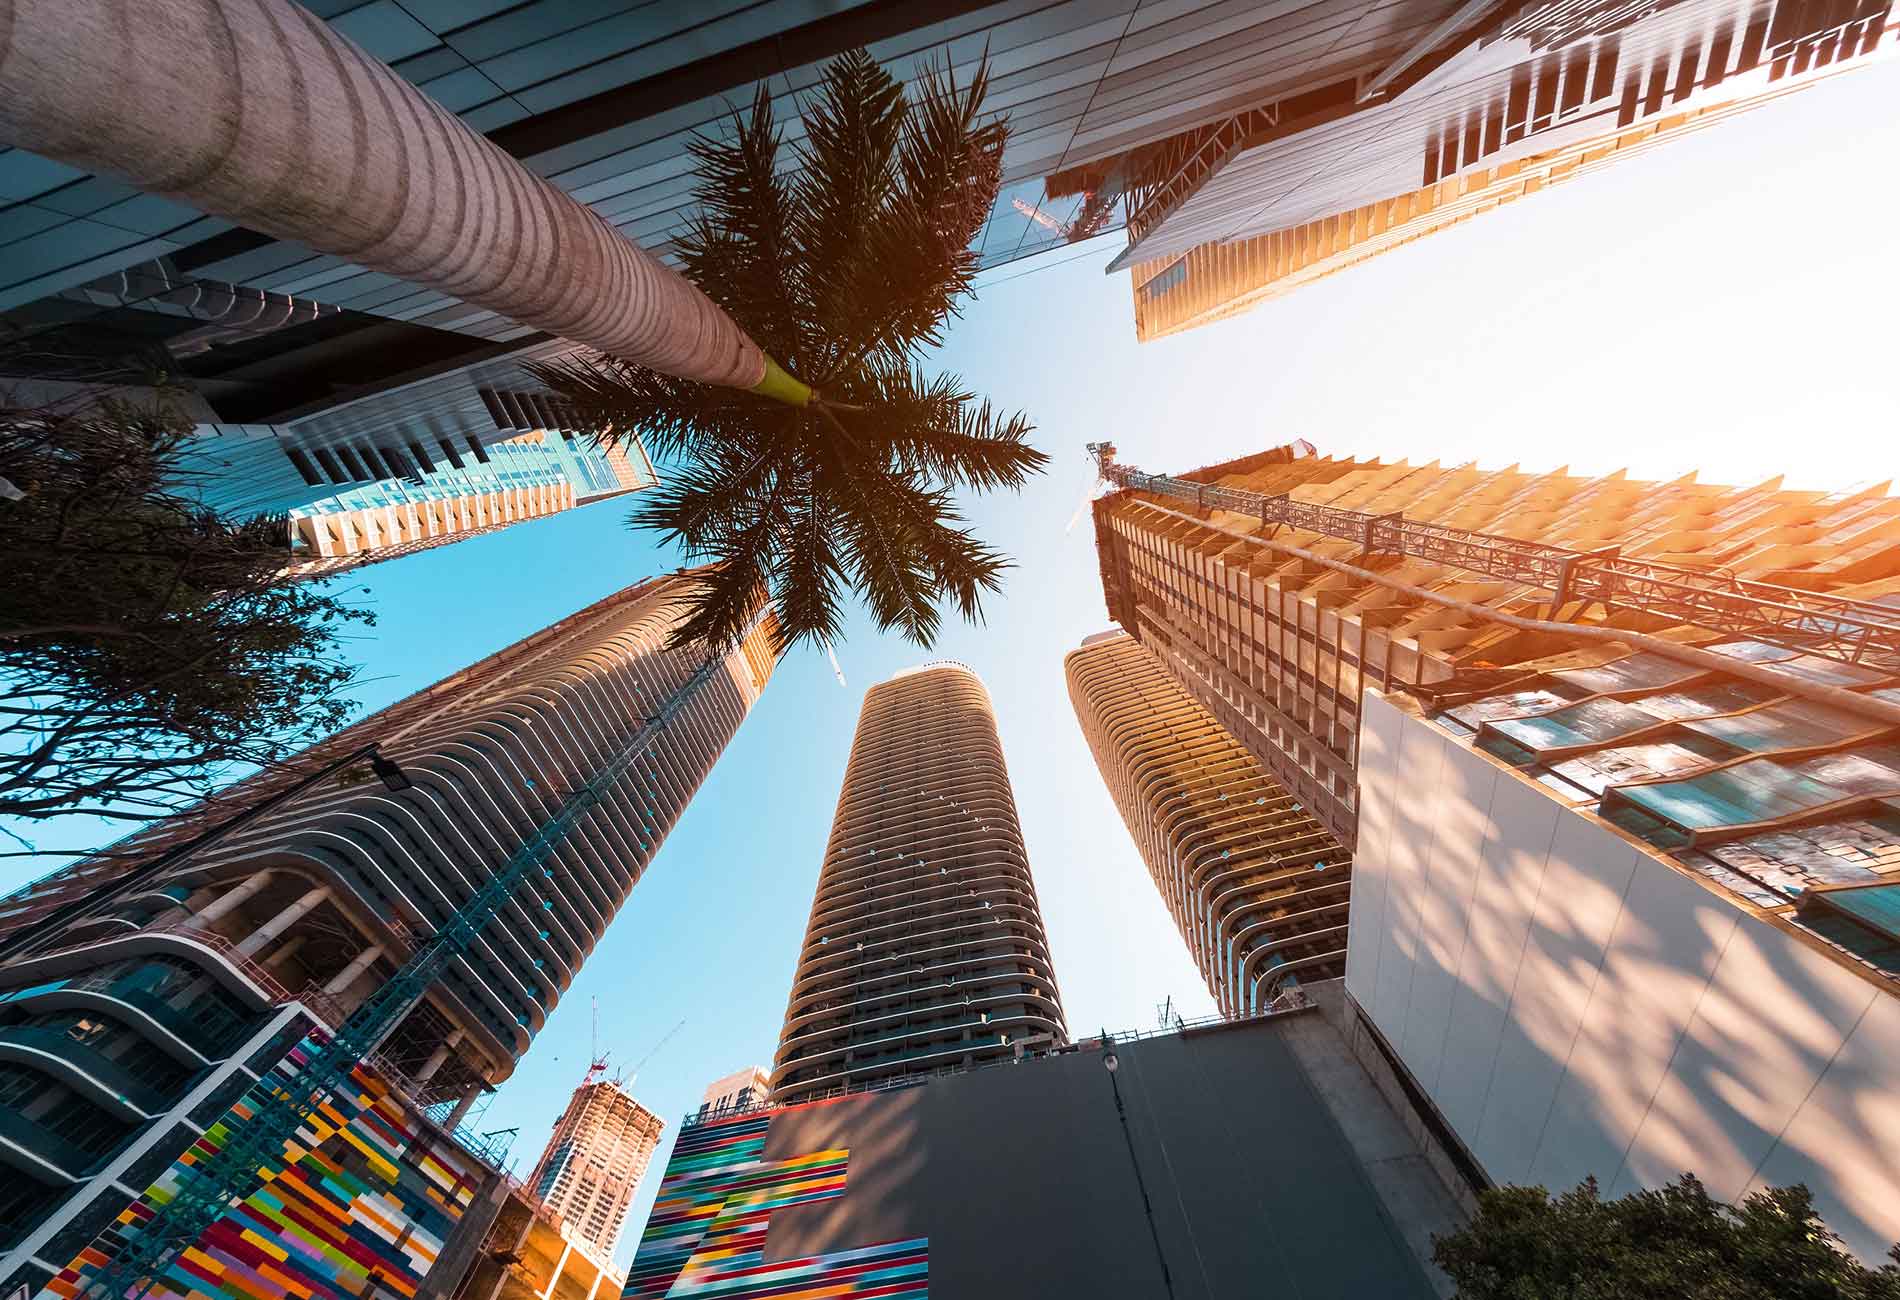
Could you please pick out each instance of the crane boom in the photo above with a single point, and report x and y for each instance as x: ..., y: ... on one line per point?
x: 217, y: 1182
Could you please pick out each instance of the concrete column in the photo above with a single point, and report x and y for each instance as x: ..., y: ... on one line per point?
x: 363, y: 960
x: 460, y: 1112
x: 173, y: 915
x: 437, y: 1057
x: 567, y: 1248
x: 231, y: 901
x: 269, y: 931
x: 285, y: 950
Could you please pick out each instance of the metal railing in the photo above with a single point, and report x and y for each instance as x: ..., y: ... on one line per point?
x: 1852, y: 631
x: 1289, y: 1001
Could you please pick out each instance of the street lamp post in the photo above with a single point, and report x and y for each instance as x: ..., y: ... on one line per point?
x: 1112, y: 1063
x: 46, y: 929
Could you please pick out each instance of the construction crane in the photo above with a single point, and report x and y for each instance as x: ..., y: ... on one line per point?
x: 218, y: 1182
x: 1837, y: 627
x: 596, y: 1059
x: 652, y: 1051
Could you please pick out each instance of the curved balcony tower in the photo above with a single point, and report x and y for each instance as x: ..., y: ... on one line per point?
x: 1255, y: 884
x: 925, y: 948
x: 111, y: 1024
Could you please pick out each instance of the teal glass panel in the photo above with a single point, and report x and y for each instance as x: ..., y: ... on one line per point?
x: 1598, y: 771
x: 1792, y: 724
x: 1877, y: 908
x: 1702, y: 701
x: 1478, y: 712
x: 1632, y: 673
x: 1828, y: 672
x: 1757, y: 790
x: 1874, y: 771
x: 1592, y: 722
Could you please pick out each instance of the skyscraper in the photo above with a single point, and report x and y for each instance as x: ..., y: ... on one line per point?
x: 315, y: 900
x: 1432, y: 115
x: 594, y: 1161
x: 737, y: 1091
x: 1276, y: 587
x: 1256, y: 886
x: 925, y: 947
x: 1618, y: 762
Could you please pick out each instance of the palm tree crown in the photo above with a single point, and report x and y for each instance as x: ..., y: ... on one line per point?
x: 846, y: 270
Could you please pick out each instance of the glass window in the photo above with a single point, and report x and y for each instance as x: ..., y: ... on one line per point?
x: 1702, y: 701
x: 1604, y: 768
x: 1791, y: 724
x: 1633, y: 672
x: 1592, y: 722
x: 1872, y: 771
x: 1752, y: 791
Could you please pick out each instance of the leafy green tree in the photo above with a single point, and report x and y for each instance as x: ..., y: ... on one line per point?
x: 1671, y: 1243
x: 148, y: 647
x: 846, y: 269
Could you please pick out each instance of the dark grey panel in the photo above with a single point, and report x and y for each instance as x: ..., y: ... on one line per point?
x: 1021, y: 1179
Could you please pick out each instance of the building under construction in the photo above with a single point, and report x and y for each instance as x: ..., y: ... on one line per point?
x: 595, y: 1159
x: 1619, y: 763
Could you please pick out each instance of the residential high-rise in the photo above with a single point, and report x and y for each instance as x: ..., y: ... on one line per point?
x: 1276, y: 587
x: 594, y: 1161
x: 1256, y: 886
x: 316, y: 900
x: 925, y: 947
x: 1434, y: 114
x: 737, y: 1091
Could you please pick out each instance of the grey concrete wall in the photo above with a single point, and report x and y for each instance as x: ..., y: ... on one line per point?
x: 1575, y: 1005
x: 1021, y: 1178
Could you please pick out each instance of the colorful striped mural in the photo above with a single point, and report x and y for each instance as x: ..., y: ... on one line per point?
x: 367, y: 1203
x: 706, y: 1237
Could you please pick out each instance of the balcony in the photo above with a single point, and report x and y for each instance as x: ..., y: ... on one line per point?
x: 52, y: 1155
x: 84, y: 1069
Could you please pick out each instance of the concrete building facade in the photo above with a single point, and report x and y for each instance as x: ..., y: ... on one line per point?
x: 1256, y: 886
x: 1625, y: 919
x: 594, y: 1161
x: 925, y: 949
x: 740, y: 1090
x: 113, y: 1015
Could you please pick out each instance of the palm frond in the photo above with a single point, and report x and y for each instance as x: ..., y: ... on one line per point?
x: 847, y: 273
x: 740, y: 248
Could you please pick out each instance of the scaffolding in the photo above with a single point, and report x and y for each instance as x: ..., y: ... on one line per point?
x: 1834, y: 627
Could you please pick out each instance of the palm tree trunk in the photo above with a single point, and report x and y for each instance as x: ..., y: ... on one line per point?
x: 258, y: 112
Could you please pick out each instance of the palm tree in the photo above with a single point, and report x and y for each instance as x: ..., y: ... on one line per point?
x: 259, y: 112
x: 848, y: 268
x: 848, y: 272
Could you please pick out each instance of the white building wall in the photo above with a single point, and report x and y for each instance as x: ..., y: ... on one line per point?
x: 1575, y: 1006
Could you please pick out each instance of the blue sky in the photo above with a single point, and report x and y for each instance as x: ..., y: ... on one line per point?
x: 1722, y: 304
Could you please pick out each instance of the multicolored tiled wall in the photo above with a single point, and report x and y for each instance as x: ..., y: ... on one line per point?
x: 706, y: 1237
x: 371, y: 1199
